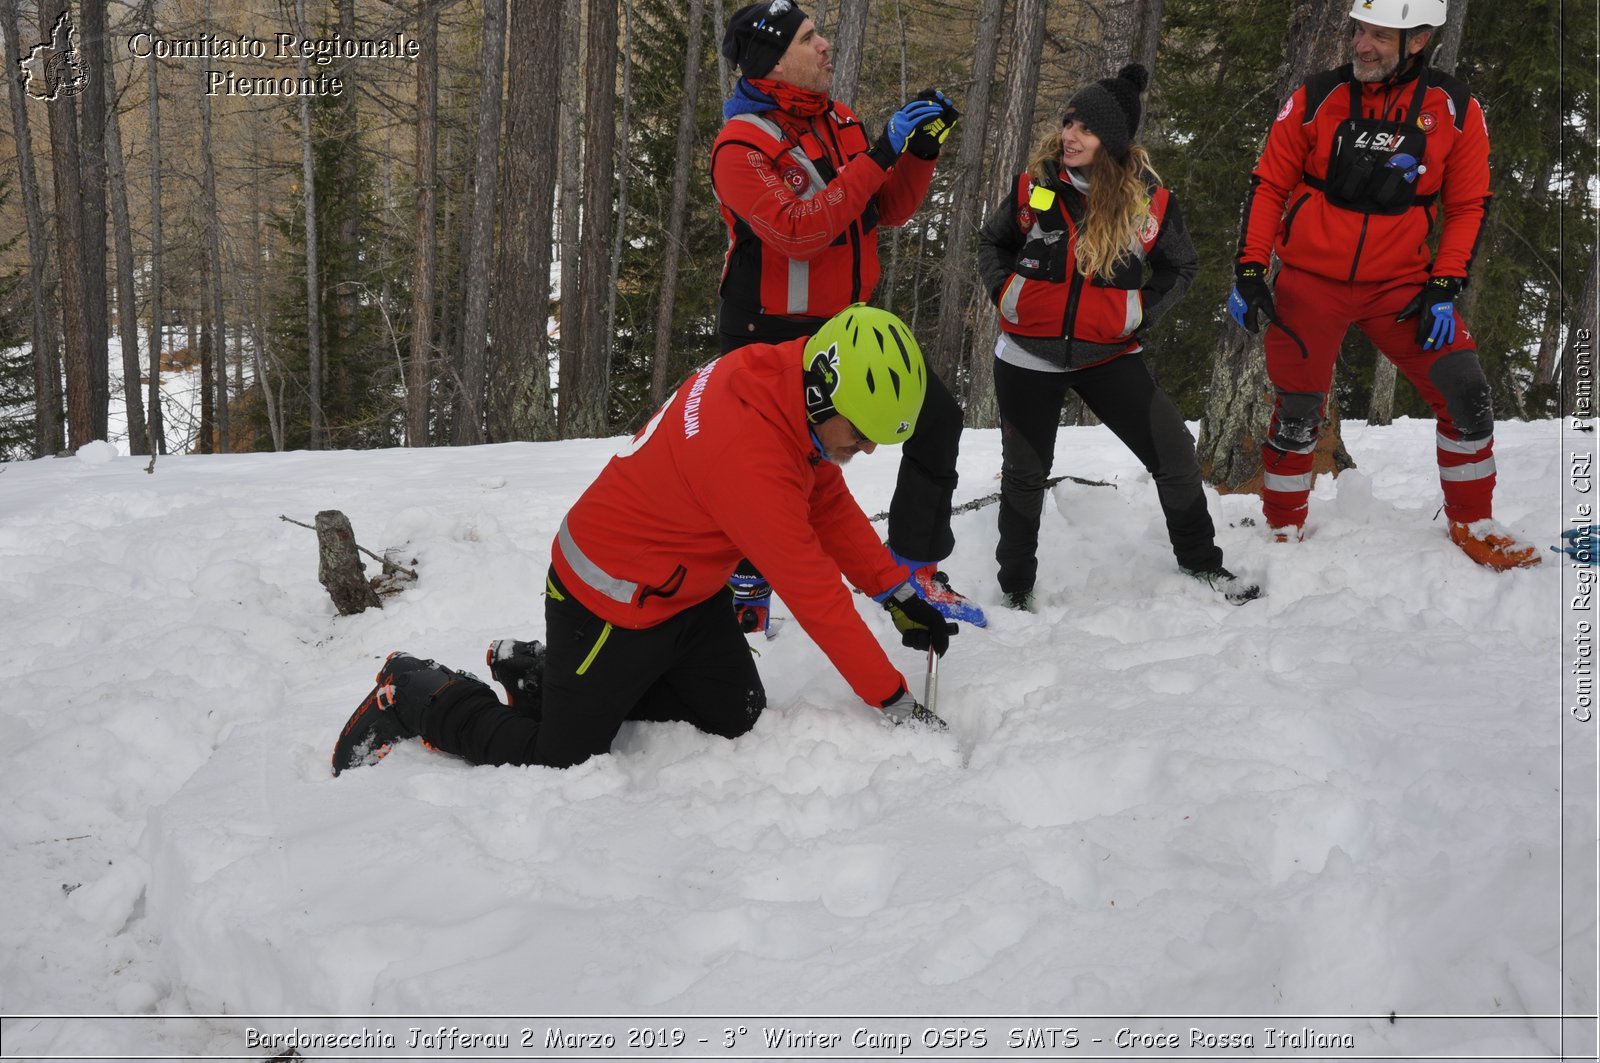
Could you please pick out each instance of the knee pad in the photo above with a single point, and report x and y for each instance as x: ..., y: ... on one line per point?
x: 1460, y: 380
x: 1297, y: 420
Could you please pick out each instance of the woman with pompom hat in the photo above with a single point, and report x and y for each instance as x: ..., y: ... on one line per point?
x: 1087, y: 252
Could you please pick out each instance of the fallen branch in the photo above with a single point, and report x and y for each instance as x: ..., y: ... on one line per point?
x: 979, y: 503
x: 387, y: 563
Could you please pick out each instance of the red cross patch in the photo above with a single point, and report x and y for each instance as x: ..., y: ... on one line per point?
x: 794, y: 177
x: 1426, y: 121
x: 1025, y: 219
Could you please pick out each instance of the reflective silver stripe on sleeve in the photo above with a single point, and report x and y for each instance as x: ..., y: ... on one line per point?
x: 1274, y: 482
x: 1463, y: 446
x: 799, y: 296
x: 1478, y: 470
x: 592, y: 574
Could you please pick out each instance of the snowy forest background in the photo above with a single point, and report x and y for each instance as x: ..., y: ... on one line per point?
x: 522, y: 211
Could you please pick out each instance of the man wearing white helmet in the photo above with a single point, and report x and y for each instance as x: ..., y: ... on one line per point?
x: 1359, y: 164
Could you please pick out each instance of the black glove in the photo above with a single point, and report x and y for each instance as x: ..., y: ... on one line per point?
x: 903, y: 708
x: 1435, y: 310
x: 929, y: 137
x: 901, y: 125
x: 920, y: 624
x: 1250, y: 296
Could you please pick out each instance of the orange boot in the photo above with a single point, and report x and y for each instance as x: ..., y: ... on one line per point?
x: 1492, y: 546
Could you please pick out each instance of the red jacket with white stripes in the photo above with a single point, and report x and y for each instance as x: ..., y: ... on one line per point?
x: 1288, y: 208
x: 802, y: 199
x: 726, y: 469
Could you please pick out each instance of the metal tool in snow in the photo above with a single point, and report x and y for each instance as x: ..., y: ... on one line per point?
x: 930, y: 689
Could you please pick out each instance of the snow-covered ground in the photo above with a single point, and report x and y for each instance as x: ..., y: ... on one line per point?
x: 1339, y: 802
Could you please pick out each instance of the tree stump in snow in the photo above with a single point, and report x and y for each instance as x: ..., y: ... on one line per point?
x: 339, y: 566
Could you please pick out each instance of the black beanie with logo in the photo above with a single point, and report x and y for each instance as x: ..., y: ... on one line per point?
x: 759, y: 34
x: 1110, y: 108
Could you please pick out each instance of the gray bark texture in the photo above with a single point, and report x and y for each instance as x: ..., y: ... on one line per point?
x: 958, y: 286
x: 67, y: 179
x: 92, y: 172
x: 1011, y: 155
x: 583, y: 409
x: 425, y: 252
x: 158, y: 432
x: 849, y: 40
x: 313, y: 288
x: 571, y: 141
x: 339, y: 567
x: 127, y: 300
x: 661, y: 359
x: 47, y: 438
x: 519, y: 382
x: 486, y: 163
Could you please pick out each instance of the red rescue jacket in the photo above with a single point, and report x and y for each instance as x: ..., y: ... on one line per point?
x: 1289, y: 210
x: 802, y: 200
x: 1047, y: 296
x: 726, y: 469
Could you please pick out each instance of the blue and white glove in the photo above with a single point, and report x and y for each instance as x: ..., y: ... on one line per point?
x: 1251, y: 296
x: 901, y: 125
x: 1435, y: 309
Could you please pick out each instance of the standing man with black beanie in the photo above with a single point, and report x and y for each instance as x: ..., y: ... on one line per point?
x: 803, y: 186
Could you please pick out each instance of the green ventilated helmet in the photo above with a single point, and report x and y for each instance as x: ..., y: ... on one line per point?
x: 865, y: 365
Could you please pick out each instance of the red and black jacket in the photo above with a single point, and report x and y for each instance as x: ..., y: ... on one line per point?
x: 803, y: 199
x: 1027, y: 257
x: 1307, y: 201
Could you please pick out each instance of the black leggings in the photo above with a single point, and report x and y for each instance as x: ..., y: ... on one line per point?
x: 1126, y: 397
x: 695, y: 667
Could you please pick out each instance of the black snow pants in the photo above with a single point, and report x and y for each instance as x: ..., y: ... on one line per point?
x: 695, y: 667
x: 1125, y: 396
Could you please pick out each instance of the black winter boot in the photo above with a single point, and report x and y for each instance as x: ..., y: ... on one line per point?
x: 392, y: 711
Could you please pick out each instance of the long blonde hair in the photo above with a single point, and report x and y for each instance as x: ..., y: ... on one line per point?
x: 1119, y: 202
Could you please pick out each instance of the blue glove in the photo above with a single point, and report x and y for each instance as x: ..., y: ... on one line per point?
x: 1435, y: 310
x: 1582, y: 545
x: 1250, y: 296
x: 901, y: 125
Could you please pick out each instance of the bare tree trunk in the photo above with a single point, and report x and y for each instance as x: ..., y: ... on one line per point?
x: 425, y: 260
x: 261, y: 357
x: 475, y: 326
x: 127, y: 306
x: 661, y: 360
x: 213, y: 287
x: 724, y: 73
x: 849, y: 40
x: 1239, y: 407
x: 158, y: 432
x: 623, y: 162
x: 46, y: 372
x: 584, y: 409
x: 313, y: 286
x: 958, y: 285
x: 1577, y: 360
x: 93, y: 176
x: 1148, y: 29
x: 208, y: 395
x: 1011, y: 155
x: 66, y: 177
x: 571, y: 317
x: 519, y: 384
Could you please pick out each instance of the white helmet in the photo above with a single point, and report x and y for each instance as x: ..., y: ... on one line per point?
x: 1399, y: 14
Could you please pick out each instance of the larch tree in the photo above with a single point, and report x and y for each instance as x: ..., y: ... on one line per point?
x: 519, y: 381
x: 47, y: 437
